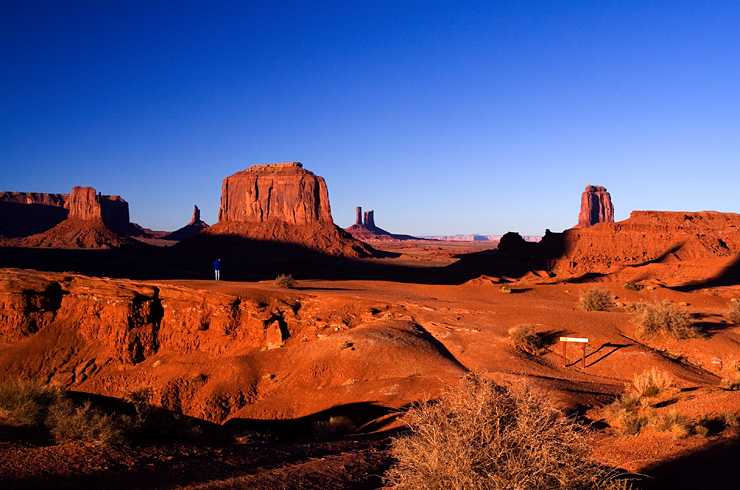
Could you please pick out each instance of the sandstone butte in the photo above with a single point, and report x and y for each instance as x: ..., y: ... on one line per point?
x: 92, y: 221
x: 596, y: 207
x: 284, y: 203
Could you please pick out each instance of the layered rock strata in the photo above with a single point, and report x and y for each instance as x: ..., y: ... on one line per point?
x: 284, y: 192
x: 596, y: 207
x: 283, y: 203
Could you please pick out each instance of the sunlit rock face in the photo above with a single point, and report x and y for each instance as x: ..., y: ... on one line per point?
x: 283, y: 192
x: 596, y: 207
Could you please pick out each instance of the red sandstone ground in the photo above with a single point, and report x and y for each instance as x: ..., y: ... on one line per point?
x: 251, y: 353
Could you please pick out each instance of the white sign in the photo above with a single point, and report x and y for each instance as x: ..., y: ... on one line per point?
x: 573, y: 339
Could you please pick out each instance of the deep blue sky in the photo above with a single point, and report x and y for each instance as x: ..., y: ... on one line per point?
x: 444, y: 117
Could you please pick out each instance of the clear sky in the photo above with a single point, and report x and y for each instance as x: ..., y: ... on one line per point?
x: 453, y: 117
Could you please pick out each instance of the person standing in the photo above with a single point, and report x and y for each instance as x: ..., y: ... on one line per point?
x: 217, y: 268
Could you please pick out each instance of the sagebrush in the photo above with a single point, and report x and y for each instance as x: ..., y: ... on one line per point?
x: 285, y: 281
x: 595, y: 299
x: 526, y: 338
x: 484, y: 436
x: 27, y: 402
x: 665, y: 319
x: 733, y: 314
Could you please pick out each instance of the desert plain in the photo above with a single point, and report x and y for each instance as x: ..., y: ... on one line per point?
x: 250, y: 371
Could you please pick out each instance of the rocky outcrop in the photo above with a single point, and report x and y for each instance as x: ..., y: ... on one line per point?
x: 86, y: 204
x: 283, y: 192
x: 25, y: 213
x: 195, y: 226
x: 282, y: 203
x: 676, y: 248
x: 596, y: 207
x: 365, y: 228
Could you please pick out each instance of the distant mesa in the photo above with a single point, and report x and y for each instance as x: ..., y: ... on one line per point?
x: 195, y: 226
x: 596, y: 207
x: 91, y: 220
x: 283, y: 203
x: 365, y: 228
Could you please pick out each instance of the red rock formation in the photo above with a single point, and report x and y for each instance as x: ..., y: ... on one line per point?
x: 284, y: 192
x: 194, y: 227
x: 282, y: 203
x: 596, y: 207
x: 25, y: 214
x: 84, y: 204
x: 365, y: 228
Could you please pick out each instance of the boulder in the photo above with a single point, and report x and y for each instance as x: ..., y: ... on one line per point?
x: 596, y: 207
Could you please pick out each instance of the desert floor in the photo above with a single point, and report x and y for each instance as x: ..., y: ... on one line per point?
x: 376, y: 346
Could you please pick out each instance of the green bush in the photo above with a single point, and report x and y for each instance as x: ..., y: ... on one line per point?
x: 481, y: 435
x: 284, y: 281
x: 665, y: 319
x: 596, y: 299
x: 27, y: 401
x: 631, y: 286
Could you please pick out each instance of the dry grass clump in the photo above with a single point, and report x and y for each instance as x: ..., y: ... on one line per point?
x: 596, y: 299
x: 652, y: 382
x: 285, y: 281
x: 733, y: 314
x: 85, y: 423
x: 27, y: 402
x: 527, y: 339
x: 484, y: 436
x: 665, y: 319
x: 631, y: 286
x: 632, y: 412
x: 505, y: 288
x: 336, y: 426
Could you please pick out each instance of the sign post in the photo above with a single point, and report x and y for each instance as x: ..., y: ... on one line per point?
x: 579, y: 340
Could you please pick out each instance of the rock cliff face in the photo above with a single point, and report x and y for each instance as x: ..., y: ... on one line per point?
x: 27, y: 213
x: 596, y: 207
x: 282, y: 203
x: 284, y: 192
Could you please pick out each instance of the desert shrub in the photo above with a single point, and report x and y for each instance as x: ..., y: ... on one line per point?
x: 635, y: 308
x: 733, y: 314
x: 27, y: 401
x: 335, y: 426
x: 665, y: 319
x: 481, y: 435
x: 631, y: 286
x: 505, y: 288
x: 284, y: 281
x: 652, y: 382
x: 596, y: 299
x: 86, y: 423
x: 141, y: 398
x: 526, y: 338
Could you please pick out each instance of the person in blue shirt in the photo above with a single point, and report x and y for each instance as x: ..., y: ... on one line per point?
x: 217, y: 267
